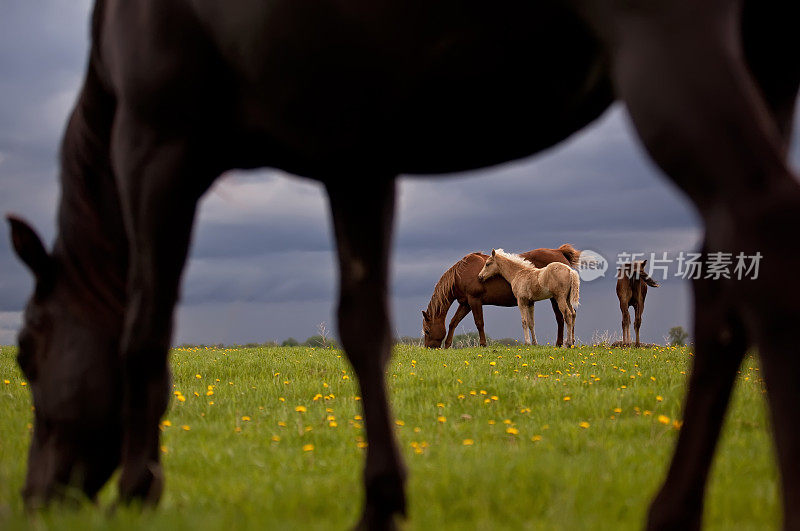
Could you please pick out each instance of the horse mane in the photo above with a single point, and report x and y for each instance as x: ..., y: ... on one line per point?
x: 515, y: 258
x: 441, y: 292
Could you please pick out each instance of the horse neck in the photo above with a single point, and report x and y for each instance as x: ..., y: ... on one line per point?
x: 508, y: 268
x: 91, y: 246
x: 438, y: 310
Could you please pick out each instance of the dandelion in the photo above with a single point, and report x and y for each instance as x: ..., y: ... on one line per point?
x: 468, y: 442
x: 512, y: 430
x: 275, y: 438
x: 663, y: 419
x: 399, y: 422
x: 164, y: 449
x: 442, y: 419
x: 308, y: 447
x: 536, y: 438
x: 567, y: 399
x: 23, y: 384
x: 245, y: 418
x: 494, y: 397
x: 166, y: 422
x: 181, y: 398
x: 6, y: 382
x: 186, y: 427
x: 282, y: 424
x: 584, y: 424
x: 362, y: 444
x: 357, y: 417
x: 300, y: 409
x: 659, y: 398
x: 617, y: 410
x: 197, y: 376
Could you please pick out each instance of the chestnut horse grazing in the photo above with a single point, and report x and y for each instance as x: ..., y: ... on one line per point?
x: 353, y: 94
x: 632, y: 282
x: 529, y: 283
x: 460, y: 283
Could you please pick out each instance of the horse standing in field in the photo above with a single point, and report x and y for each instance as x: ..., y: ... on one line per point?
x: 460, y: 283
x: 529, y: 284
x: 632, y: 282
x: 353, y: 94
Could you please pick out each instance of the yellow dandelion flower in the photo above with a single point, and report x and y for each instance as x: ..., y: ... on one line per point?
x: 197, y: 376
x: 166, y: 422
x: 345, y: 377
x: 164, y: 449
x: 617, y: 410
x: 512, y: 430
x: 362, y: 444
x: 332, y: 424
x: 6, y: 382
x: 245, y: 418
x: 357, y: 417
x: 536, y: 438
x: 23, y: 384
x: 584, y: 424
x: 495, y: 398
x: 280, y: 398
x: 492, y: 363
x: 567, y: 399
x: 399, y: 422
x: 663, y: 419
x: 237, y: 429
x: 186, y: 427
x: 677, y: 424
x: 275, y: 438
x: 300, y: 409
x: 483, y: 392
x: 308, y: 447
x: 660, y: 398
x: 181, y: 398
x: 439, y: 404
x: 491, y: 422
x: 468, y: 442
x: 442, y: 419
x: 282, y: 424
x: 317, y: 397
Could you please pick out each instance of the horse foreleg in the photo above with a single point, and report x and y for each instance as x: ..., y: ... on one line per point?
x: 532, y: 325
x: 158, y: 192
x: 477, y: 314
x: 363, y: 237
x: 559, y: 322
x: 461, y: 312
x: 720, y: 345
x: 523, y: 312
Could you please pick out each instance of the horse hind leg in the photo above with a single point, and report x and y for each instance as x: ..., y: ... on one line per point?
x: 569, y: 319
x: 363, y: 233
x: 559, y: 322
x: 720, y: 345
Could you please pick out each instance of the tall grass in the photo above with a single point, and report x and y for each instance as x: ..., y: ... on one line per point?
x: 494, y: 438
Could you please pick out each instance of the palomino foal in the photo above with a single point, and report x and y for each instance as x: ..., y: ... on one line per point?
x: 530, y: 284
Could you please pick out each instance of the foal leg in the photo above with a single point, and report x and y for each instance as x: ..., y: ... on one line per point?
x: 363, y: 234
x: 461, y: 312
x: 569, y: 319
x: 531, y: 325
x: 523, y: 312
x: 477, y: 313
x: 720, y: 345
x: 559, y: 322
x: 158, y: 191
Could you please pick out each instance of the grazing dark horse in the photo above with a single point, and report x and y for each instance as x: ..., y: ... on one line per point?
x: 353, y: 94
x: 632, y: 282
x: 460, y: 283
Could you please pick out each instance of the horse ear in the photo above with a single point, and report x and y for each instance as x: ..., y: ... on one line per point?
x: 644, y: 263
x: 493, y: 252
x: 425, y: 315
x: 29, y: 247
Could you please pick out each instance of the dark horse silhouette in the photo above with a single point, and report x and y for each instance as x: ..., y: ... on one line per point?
x: 632, y: 282
x: 460, y: 283
x: 353, y: 94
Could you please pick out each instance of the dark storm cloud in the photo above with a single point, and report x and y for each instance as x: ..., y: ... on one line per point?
x: 262, y: 265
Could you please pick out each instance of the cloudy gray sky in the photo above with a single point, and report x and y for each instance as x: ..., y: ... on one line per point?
x: 262, y: 266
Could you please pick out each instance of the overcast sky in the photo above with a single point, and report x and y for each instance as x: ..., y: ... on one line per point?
x: 262, y: 267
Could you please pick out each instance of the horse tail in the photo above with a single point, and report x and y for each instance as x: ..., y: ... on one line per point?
x: 570, y: 253
x: 574, y: 288
x: 648, y: 279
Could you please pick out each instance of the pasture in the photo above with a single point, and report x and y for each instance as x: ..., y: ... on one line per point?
x: 497, y: 437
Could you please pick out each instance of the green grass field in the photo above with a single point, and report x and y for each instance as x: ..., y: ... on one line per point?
x: 502, y: 437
